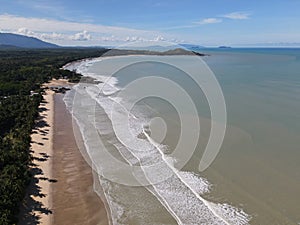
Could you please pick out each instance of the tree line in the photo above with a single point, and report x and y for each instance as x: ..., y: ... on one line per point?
x: 23, y: 71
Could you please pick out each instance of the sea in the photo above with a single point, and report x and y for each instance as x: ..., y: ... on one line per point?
x: 139, y: 118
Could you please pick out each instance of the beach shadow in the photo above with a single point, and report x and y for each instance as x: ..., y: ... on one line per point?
x: 43, y: 102
x: 44, y: 157
x: 40, y: 159
x: 43, y: 109
x: 50, y: 180
x: 43, y: 131
x: 30, y: 207
x: 41, y: 124
x: 42, y: 117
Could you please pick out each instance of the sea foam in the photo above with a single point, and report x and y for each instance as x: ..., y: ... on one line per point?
x: 178, y: 191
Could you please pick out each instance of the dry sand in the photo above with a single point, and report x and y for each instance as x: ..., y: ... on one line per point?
x: 37, y: 203
x: 61, y: 191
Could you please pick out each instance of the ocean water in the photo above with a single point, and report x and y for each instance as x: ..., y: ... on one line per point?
x: 259, y: 168
x: 255, y: 177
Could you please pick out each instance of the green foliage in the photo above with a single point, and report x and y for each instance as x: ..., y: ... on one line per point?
x: 22, y: 71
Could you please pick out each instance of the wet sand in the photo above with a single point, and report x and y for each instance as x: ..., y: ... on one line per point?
x: 74, y: 200
x: 61, y: 190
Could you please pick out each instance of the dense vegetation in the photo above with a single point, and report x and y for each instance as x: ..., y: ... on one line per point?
x: 23, y: 71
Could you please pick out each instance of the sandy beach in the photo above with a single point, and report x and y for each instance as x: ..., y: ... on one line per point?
x: 37, y: 204
x: 61, y: 190
x: 74, y: 200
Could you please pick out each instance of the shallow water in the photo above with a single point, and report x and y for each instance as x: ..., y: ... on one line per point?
x: 260, y: 167
x: 257, y: 169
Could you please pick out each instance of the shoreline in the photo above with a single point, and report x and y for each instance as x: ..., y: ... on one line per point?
x: 74, y: 198
x: 47, y: 201
x: 37, y: 202
x: 213, y: 211
x: 78, y: 64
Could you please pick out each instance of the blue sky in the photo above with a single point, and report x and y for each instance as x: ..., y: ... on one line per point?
x: 113, y: 22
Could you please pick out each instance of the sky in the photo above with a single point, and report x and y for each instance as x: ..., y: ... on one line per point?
x: 117, y: 22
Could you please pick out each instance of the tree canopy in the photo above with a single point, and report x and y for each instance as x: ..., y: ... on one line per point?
x: 23, y: 71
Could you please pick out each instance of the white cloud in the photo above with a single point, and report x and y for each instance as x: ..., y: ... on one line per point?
x: 108, y: 38
x: 25, y: 31
x: 210, y: 21
x: 52, y: 36
x: 134, y: 38
x: 82, y: 36
x: 45, y: 36
x: 237, y: 15
x: 159, y: 38
x: 73, y: 33
x: 13, y: 22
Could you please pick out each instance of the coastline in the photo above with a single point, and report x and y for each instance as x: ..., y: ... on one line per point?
x: 61, y: 189
x: 234, y: 196
x: 38, y: 199
x: 170, y: 210
x: 74, y: 199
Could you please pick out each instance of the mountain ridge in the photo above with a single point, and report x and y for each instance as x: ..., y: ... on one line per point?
x: 22, y: 41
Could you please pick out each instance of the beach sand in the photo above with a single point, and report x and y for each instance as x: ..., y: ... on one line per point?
x: 36, y: 208
x: 61, y: 191
x: 74, y: 200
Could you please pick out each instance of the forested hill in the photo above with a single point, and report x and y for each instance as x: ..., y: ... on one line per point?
x: 16, y: 40
x: 21, y: 72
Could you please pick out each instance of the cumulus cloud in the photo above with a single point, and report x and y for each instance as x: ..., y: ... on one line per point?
x: 209, y: 21
x: 75, y: 33
x: 82, y: 36
x: 45, y: 36
x: 25, y: 31
x: 53, y: 36
x: 237, y: 15
x: 12, y: 22
x: 111, y: 38
x: 140, y: 39
x: 159, y: 38
x: 134, y: 38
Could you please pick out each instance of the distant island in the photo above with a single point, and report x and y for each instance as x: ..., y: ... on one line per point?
x: 224, y: 47
x: 176, y: 51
